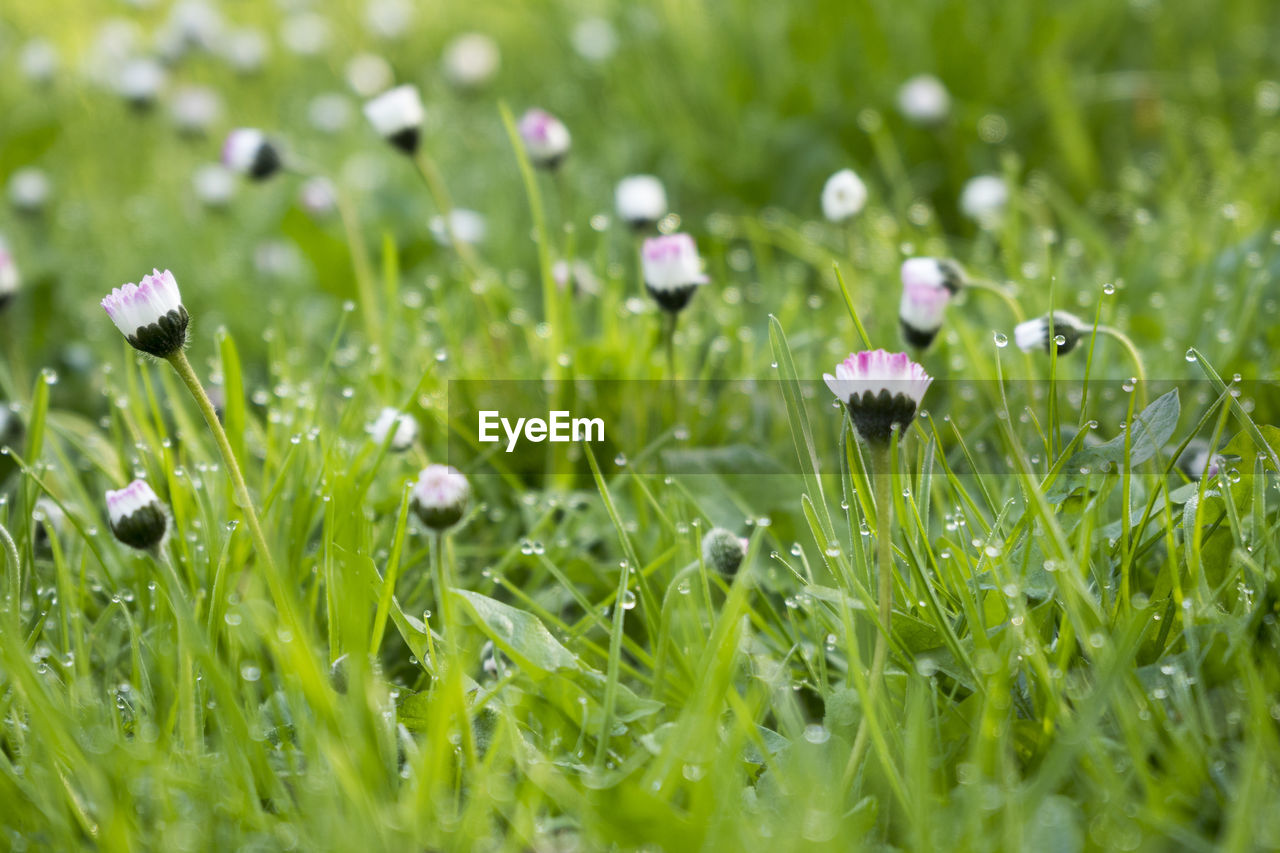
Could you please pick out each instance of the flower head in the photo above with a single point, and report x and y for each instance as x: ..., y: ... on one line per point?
x: 641, y: 201
x: 395, y: 425
x: 464, y: 225
x: 29, y: 189
x: 318, y: 196
x: 882, y: 390
x: 9, y: 277
x: 38, y: 61
x: 672, y: 269
x: 195, y: 108
x: 843, y: 196
x: 934, y: 272
x: 723, y: 550
x: 471, y: 60
x: 440, y: 496
x: 249, y: 152
x: 545, y: 137
x: 983, y: 200
x: 921, y: 311
x: 136, y: 516
x: 397, y: 115
x: 150, y: 314
x: 1035, y: 334
x: 924, y: 100
x: 140, y: 81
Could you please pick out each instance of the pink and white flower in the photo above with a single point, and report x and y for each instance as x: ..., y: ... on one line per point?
x: 440, y: 495
x: 136, y: 515
x: 545, y: 137
x: 921, y: 312
x: 934, y: 272
x: 9, y: 277
x: 150, y: 314
x: 882, y: 391
x: 672, y: 269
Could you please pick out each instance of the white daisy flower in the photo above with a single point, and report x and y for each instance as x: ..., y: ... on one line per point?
x: 882, y: 391
x: 843, y: 196
x: 150, y: 315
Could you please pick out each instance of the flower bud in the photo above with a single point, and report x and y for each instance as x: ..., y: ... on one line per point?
x: 843, y: 196
x: 471, y: 60
x: 249, y: 152
x: 641, y: 201
x: 921, y: 312
x: 723, y: 550
x: 9, y: 277
x: 136, y: 516
x: 924, y: 100
x: 397, y: 115
x: 983, y: 200
x: 545, y: 137
x: 151, y: 314
x: 399, y: 426
x: 672, y: 270
x: 882, y: 391
x: 1035, y: 334
x: 439, y: 497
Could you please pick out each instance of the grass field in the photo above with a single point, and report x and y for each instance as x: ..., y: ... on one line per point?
x: 1081, y: 651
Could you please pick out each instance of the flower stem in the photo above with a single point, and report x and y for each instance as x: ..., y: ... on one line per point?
x: 279, y: 591
x: 997, y: 290
x: 669, y: 342
x: 454, y: 692
x: 1136, y: 356
x: 882, y: 484
x: 430, y: 173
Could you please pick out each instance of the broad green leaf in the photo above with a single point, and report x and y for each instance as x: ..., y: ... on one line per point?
x: 519, y: 634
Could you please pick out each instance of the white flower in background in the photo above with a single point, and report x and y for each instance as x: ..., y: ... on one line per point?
x: 329, y: 112
x: 843, y: 196
x: 29, y: 189
x: 248, y: 152
x: 140, y: 81
x: 306, y: 33
x: 368, y: 74
x: 723, y: 550
x: 278, y: 259
x: 641, y: 201
x: 983, y: 200
x: 440, y: 495
x: 882, y: 391
x: 114, y: 44
x: 577, y: 275
x: 594, y: 39
x: 397, y: 115
x: 150, y: 315
x: 38, y: 61
x: 672, y: 270
x: 470, y: 60
x: 214, y: 185
x: 245, y: 50
x: 388, y: 19
x: 921, y: 311
x: 136, y: 516
x: 318, y: 197
x: 1035, y: 334
x: 195, y: 109
x: 545, y: 137
x: 192, y: 25
x: 468, y: 226
x: 394, y: 425
x: 10, y: 279
x: 924, y: 100
x: 935, y: 272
